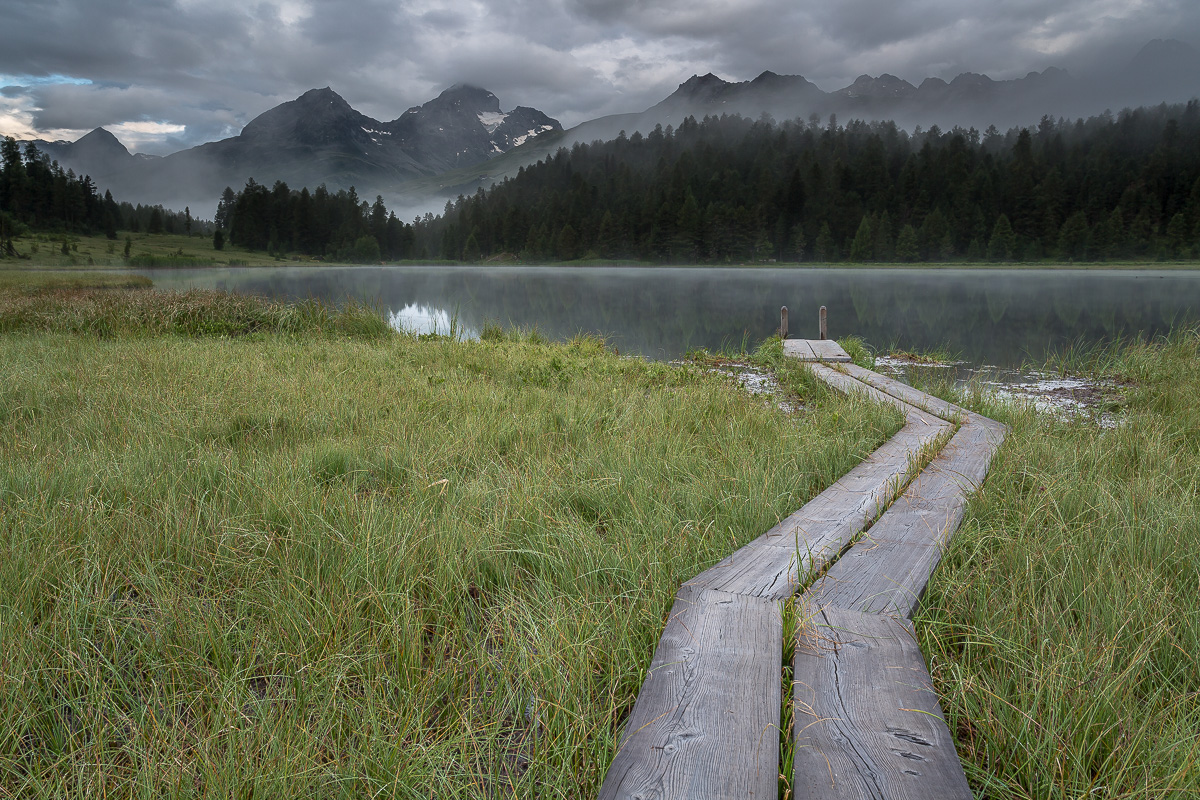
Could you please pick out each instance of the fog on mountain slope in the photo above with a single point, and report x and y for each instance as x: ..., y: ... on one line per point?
x: 314, y: 139
x: 462, y: 139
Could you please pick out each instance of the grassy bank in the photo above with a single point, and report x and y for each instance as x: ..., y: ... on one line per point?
x: 177, y: 250
x: 1063, y: 629
x: 145, y: 250
x: 309, y: 557
x: 107, y: 305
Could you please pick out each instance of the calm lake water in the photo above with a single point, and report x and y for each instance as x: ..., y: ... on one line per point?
x: 996, y: 317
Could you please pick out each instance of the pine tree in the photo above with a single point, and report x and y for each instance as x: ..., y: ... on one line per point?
x: 567, y: 243
x: 824, y: 251
x: 1177, y: 235
x: 1073, y: 237
x: 1003, y: 244
x: 906, y: 245
x: 862, y: 248
x: 884, y: 247
x: 471, y: 250
x: 798, y: 242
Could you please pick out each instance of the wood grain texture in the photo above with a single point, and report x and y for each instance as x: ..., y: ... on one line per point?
x: 908, y: 394
x: 828, y: 350
x: 824, y: 525
x: 868, y: 725
x: 878, y: 578
x: 773, y: 565
x: 706, y: 722
x: 886, y: 572
x: 798, y: 348
x: 851, y: 385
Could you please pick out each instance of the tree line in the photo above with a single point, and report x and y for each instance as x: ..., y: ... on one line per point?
x: 37, y: 194
x: 730, y: 189
x: 333, y: 225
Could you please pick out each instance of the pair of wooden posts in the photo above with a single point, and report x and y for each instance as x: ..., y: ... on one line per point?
x: 783, y: 323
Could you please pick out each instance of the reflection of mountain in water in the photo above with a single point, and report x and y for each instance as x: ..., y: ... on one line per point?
x: 988, y: 316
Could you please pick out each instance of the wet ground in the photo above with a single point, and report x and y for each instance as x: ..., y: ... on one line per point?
x: 756, y: 381
x: 1067, y: 397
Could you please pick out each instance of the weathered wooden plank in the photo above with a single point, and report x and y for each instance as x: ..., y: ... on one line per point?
x: 887, y: 571
x: 868, y: 724
x: 851, y: 385
x: 934, y: 405
x: 799, y: 348
x: 967, y: 456
x: 706, y: 722
x: 828, y: 350
x: 885, y: 577
x: 772, y: 565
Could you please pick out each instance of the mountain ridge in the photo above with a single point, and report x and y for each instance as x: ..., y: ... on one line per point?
x: 317, y: 138
x: 462, y: 139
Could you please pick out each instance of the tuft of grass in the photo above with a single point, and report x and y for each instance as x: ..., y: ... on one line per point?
x: 859, y: 351
x: 296, y: 564
x: 1062, y: 627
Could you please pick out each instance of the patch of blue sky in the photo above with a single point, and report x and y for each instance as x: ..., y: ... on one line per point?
x: 42, y: 80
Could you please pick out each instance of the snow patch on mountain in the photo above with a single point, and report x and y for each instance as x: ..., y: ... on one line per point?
x: 520, y: 140
x: 492, y: 119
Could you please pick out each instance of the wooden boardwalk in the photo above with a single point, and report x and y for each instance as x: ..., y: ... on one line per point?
x: 706, y: 722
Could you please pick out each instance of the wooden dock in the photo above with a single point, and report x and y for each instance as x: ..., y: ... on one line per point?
x: 867, y: 724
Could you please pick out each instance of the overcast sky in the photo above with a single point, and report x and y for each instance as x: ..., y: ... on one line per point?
x: 167, y: 74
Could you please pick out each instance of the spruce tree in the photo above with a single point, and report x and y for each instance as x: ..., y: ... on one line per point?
x: 825, y: 245
x: 1003, y: 243
x: 907, y: 249
x: 862, y: 248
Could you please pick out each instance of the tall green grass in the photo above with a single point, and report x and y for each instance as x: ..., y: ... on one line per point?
x: 295, y: 564
x: 1063, y: 627
x: 85, y: 304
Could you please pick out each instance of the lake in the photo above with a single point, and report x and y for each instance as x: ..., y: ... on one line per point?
x: 996, y: 317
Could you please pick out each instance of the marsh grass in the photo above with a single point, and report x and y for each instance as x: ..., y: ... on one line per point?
x: 1062, y: 628
x: 302, y: 563
x: 146, y: 250
x: 84, y: 303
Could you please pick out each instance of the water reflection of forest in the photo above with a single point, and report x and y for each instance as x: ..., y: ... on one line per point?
x: 988, y: 316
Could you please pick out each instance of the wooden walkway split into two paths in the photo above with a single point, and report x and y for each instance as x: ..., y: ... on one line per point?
x: 867, y: 724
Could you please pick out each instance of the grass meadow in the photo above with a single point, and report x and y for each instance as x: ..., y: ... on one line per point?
x: 249, y: 549
x: 253, y: 549
x: 1062, y: 629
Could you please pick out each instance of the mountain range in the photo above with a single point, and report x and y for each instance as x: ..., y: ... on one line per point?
x: 316, y: 138
x: 462, y: 139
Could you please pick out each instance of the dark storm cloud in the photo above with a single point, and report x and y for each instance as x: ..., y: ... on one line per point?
x: 212, y: 65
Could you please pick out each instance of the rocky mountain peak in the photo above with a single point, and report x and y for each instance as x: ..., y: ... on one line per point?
x: 467, y: 98
x: 100, y: 142
x: 700, y: 88
x: 313, y: 117
x: 885, y: 85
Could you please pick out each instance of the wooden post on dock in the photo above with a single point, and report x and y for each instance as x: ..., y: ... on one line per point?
x: 824, y: 327
x: 783, y: 322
